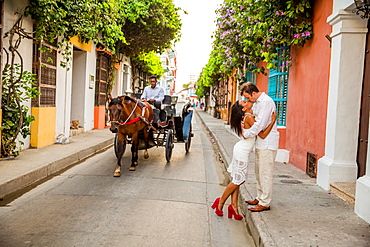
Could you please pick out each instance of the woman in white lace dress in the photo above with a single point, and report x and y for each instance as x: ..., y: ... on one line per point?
x: 241, y: 111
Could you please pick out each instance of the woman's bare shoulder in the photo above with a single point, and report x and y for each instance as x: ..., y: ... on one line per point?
x: 248, y: 117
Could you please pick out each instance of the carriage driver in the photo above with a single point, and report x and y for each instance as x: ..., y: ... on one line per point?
x: 153, y: 93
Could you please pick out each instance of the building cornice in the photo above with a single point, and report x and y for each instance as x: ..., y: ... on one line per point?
x: 346, y: 22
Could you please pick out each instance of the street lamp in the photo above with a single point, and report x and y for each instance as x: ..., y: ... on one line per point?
x: 362, y: 8
x: 120, y: 56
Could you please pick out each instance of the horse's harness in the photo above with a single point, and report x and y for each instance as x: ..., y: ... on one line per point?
x: 127, y: 122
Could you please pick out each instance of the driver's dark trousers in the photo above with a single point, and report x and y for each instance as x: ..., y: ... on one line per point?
x: 157, y: 112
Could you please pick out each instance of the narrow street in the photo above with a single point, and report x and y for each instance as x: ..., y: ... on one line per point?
x: 160, y: 204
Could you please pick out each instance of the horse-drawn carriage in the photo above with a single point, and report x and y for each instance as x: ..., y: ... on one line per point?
x: 136, y: 122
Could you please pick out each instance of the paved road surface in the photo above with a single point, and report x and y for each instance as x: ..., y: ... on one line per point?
x: 160, y: 204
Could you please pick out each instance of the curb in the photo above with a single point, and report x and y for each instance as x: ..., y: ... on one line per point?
x: 254, y: 221
x: 34, y: 176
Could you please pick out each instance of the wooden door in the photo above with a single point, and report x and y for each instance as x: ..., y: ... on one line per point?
x: 364, y: 113
x: 101, y: 81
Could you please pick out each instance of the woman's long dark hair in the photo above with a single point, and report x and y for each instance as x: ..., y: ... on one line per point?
x: 236, y: 117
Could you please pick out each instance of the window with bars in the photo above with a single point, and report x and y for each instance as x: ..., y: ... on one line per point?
x: 102, y: 66
x: 250, y: 77
x: 45, y: 70
x: 278, y: 86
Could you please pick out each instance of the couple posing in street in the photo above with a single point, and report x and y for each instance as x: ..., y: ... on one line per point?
x: 256, y: 128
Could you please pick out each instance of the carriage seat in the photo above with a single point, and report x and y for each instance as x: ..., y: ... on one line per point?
x: 159, y: 115
x: 167, y: 109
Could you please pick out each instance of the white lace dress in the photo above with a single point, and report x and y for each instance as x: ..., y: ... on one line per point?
x: 238, y: 167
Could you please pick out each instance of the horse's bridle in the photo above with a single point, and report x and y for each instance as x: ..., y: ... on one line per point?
x: 126, y: 122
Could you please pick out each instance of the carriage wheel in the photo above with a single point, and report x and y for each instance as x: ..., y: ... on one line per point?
x: 169, y: 145
x: 188, y: 142
x: 116, y: 145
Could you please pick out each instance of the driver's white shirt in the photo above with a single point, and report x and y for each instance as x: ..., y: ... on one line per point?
x: 156, y: 93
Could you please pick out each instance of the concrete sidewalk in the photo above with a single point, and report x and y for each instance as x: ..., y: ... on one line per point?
x: 302, y: 213
x: 33, y: 165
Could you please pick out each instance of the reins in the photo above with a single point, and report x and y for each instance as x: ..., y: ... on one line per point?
x: 127, y: 122
x: 140, y: 117
x: 132, y: 112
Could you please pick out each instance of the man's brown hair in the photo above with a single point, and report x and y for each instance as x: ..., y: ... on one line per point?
x: 249, y: 88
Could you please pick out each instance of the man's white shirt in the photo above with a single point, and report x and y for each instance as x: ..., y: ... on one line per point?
x: 157, y: 93
x: 262, y: 109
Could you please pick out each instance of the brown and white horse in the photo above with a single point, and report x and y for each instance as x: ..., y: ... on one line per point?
x: 128, y: 116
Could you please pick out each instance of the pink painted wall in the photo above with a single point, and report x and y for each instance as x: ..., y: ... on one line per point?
x: 262, y: 80
x: 262, y: 84
x: 308, y: 91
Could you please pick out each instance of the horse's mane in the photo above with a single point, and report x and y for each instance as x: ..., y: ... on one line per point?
x: 120, y: 101
x: 116, y: 101
x: 126, y: 97
x: 140, y: 103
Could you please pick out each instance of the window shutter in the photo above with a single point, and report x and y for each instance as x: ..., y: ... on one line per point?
x: 278, y: 87
x: 45, y: 69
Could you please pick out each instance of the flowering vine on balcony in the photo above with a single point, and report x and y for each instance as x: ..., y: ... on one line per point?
x: 249, y: 31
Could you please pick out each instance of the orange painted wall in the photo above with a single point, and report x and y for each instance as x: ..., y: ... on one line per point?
x: 262, y: 80
x: 308, y: 91
x: 99, y: 117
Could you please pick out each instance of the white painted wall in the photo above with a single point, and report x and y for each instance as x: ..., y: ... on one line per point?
x: 82, y: 99
x: 79, y: 82
x: 90, y: 92
x: 126, y: 77
x: 343, y: 4
x: 117, y: 87
x: 25, y: 49
x: 362, y: 198
x: 122, y: 82
x: 63, y: 99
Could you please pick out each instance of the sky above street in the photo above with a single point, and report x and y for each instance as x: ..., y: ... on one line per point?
x: 196, y: 44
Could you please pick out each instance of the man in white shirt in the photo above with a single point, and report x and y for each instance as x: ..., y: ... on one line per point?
x: 266, y: 149
x: 153, y: 94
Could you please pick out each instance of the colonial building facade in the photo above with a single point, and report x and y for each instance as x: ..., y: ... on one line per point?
x: 322, y: 102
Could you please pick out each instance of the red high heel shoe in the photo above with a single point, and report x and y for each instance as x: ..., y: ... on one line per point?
x: 215, y: 206
x: 232, y: 212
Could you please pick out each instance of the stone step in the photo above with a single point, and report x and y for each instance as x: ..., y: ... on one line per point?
x: 74, y: 132
x: 345, y: 191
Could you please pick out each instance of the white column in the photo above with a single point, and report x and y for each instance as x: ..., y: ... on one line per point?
x: 344, y: 99
x: 63, y: 98
x: 90, y: 91
x: 127, y: 79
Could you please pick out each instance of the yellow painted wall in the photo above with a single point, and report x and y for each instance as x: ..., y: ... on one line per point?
x: 43, y: 128
x: 83, y: 46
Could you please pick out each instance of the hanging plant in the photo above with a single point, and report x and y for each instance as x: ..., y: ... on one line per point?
x: 17, y: 88
x: 129, y: 26
x: 251, y: 31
